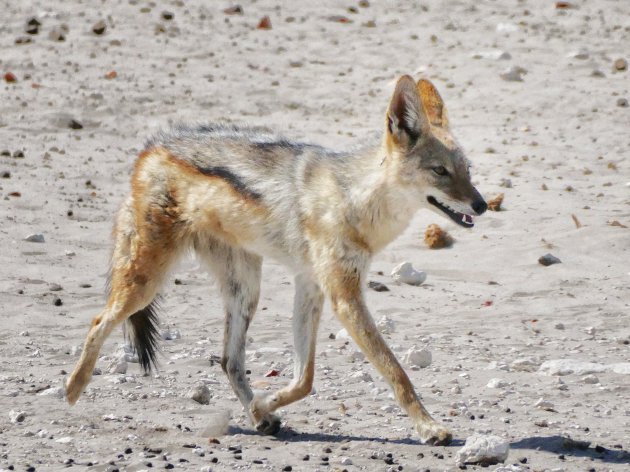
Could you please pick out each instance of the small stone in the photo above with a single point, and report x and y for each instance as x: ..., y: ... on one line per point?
x: 494, y: 204
x: 525, y: 364
x: 559, y: 326
x: 57, y: 34
x: 541, y: 423
x: 264, y: 23
x: 590, y: 330
x: 58, y: 392
x: 99, y: 27
x: 513, y: 74
x: 345, y: 461
x: 167, y: 15
x: 590, y: 379
x: 32, y: 26
x: 386, y: 325
x: 377, y: 286
x: 497, y: 383
x: 17, y: 416
x: 483, y: 450
x: 620, y: 64
x: 57, y: 301
x: 436, y: 238
x: 234, y: 10
x: 418, y: 357
x: 622, y: 102
x: 10, y: 78
x: 598, y: 74
x: 74, y: 124
x: 548, y: 259
x: 405, y: 273
x: 544, y: 405
x: 35, y: 238
x: 6, y: 174
x: 506, y: 183
x: 287, y: 468
x: 118, y: 366
x: 201, y: 394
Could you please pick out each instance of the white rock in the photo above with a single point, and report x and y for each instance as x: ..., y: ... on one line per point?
x: 218, y: 424
x: 406, y: 274
x: 526, y: 364
x: 506, y: 28
x: 201, y: 394
x: 418, y: 357
x: 620, y: 368
x: 76, y: 350
x: 64, y: 440
x: 497, y: 383
x: 495, y: 54
x: 481, y: 449
x: 17, y: 416
x: 513, y: 74
x: 590, y: 379
x: 58, y: 392
x: 362, y: 376
x: 345, y: 461
x: 342, y: 334
x: 544, y: 405
x: 35, y: 238
x: 170, y: 334
x: 386, y: 325
x: 570, y: 366
x: 590, y: 330
x: 579, y: 54
x: 117, y: 366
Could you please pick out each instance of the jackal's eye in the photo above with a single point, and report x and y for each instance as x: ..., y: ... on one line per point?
x: 440, y: 170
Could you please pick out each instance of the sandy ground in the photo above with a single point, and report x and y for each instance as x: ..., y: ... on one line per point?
x: 556, y: 144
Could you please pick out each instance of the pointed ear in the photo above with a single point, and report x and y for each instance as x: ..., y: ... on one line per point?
x: 406, y: 121
x: 432, y: 104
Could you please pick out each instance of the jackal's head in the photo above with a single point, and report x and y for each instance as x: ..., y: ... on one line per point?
x: 429, y: 162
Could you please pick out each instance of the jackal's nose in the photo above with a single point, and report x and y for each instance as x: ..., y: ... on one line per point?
x: 480, y: 206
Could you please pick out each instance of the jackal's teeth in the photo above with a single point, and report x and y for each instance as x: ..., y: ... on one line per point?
x: 467, y: 219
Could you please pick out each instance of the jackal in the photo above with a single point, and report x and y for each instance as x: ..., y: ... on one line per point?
x: 234, y: 195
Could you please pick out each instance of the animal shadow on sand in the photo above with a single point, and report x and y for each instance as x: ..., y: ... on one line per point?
x: 558, y: 445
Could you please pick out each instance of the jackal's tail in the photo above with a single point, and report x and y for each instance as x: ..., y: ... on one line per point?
x: 143, y: 333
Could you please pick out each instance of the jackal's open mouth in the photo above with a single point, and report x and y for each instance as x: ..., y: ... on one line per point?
x: 460, y: 218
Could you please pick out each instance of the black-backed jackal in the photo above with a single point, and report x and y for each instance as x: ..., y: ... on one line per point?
x: 237, y: 194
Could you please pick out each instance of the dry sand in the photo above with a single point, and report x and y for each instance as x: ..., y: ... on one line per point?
x: 559, y: 136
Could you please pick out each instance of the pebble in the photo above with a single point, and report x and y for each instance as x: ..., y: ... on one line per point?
x: 386, y: 325
x: 497, y: 383
x: 99, y: 27
x: 74, y: 124
x: 620, y: 64
x: 377, y: 286
x: 590, y: 330
x: 17, y: 416
x: 548, y: 259
x: 170, y: 334
x: 345, y: 461
x: 35, y: 238
x: 590, y: 379
x: 201, y: 394
x: 543, y: 404
x: 264, y: 23
x: 405, y: 273
x: 57, y: 34
x: 622, y: 102
x: 483, y: 450
x: 526, y: 364
x: 513, y: 74
x: 168, y: 15
x: 32, y: 26
x: 118, y: 366
x: 418, y: 357
x: 569, y: 366
x: 58, y: 392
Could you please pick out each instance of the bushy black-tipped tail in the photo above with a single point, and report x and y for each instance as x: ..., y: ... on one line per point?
x: 142, y: 331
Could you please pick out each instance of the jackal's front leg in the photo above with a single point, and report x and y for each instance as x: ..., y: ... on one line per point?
x: 344, y: 286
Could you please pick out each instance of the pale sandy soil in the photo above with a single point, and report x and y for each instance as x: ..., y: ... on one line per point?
x: 327, y: 82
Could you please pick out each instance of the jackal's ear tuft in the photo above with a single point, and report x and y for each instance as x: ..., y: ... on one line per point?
x: 432, y: 104
x: 405, y: 118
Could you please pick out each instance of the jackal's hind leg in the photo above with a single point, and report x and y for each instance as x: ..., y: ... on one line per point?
x: 139, y: 264
x: 307, y: 309
x: 238, y: 272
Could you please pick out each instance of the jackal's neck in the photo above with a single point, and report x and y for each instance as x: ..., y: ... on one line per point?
x: 382, y: 208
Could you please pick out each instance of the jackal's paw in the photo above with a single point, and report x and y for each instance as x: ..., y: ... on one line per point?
x: 73, y: 390
x: 270, y: 424
x: 434, y: 434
